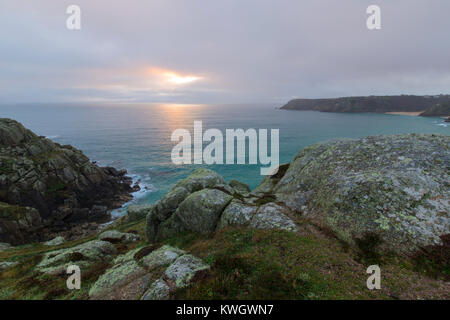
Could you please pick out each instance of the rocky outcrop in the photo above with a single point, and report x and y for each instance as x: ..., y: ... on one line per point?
x: 17, y: 223
x: 125, y: 280
x: 59, y: 182
x: 438, y: 110
x: 115, y: 236
x: 203, y: 203
x: 83, y: 255
x: 55, y: 241
x: 130, y: 276
x: 390, y: 190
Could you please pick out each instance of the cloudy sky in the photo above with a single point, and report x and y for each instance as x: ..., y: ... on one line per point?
x: 221, y: 51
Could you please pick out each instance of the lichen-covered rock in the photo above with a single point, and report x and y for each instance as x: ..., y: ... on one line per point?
x: 394, y: 188
x: 271, y: 216
x: 159, y: 290
x: 214, y: 206
x: 162, y: 220
x: 55, y: 242
x: 17, y: 223
x: 115, y: 236
x: 239, y: 186
x: 162, y: 257
x: 137, y: 212
x: 184, y: 270
x: 5, y: 246
x: 125, y: 280
x: 83, y: 255
x: 5, y: 265
x: 58, y: 181
x: 201, y: 211
x: 237, y: 213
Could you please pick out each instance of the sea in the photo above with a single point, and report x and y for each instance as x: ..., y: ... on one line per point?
x: 137, y: 136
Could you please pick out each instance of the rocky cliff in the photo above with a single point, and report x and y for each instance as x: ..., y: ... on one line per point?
x: 375, y: 104
x: 46, y: 187
x: 438, y: 110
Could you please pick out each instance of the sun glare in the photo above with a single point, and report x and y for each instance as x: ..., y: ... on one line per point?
x: 173, y: 77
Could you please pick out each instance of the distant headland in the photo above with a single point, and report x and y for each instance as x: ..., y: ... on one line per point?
x: 432, y: 106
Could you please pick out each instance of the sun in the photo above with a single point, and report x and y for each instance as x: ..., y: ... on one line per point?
x: 173, y: 77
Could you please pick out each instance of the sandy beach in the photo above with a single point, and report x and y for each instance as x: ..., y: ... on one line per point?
x: 406, y: 113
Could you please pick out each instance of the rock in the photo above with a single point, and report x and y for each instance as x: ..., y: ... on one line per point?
x: 4, y: 265
x: 215, y: 206
x: 5, y: 246
x: 393, y: 189
x: 137, y: 212
x: 201, y: 211
x: 125, y: 280
x: 55, y: 242
x: 161, y: 220
x: 159, y: 290
x: 18, y: 224
x: 185, y: 269
x: 162, y: 257
x: 83, y: 255
x: 58, y: 181
x: 271, y: 216
x: 237, y: 213
x: 115, y: 236
x: 239, y: 186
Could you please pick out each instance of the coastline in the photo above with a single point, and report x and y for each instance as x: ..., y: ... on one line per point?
x: 404, y: 113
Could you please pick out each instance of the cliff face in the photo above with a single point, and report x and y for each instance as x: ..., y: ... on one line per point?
x: 374, y: 104
x: 58, y: 182
x: 438, y: 110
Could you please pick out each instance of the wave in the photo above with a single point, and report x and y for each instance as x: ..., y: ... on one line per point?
x: 145, y: 188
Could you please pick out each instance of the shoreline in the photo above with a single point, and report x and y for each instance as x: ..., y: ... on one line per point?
x: 405, y: 113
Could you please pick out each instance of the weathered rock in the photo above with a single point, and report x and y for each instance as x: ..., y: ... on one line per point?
x: 17, y: 222
x: 239, y: 186
x: 115, y: 236
x: 58, y: 181
x: 137, y: 212
x: 391, y: 188
x: 5, y: 265
x: 271, y: 216
x: 185, y: 269
x: 237, y: 213
x: 125, y: 280
x: 5, y: 246
x: 83, y: 255
x: 161, y: 220
x: 159, y: 290
x: 201, y: 211
x: 55, y: 242
x: 162, y: 257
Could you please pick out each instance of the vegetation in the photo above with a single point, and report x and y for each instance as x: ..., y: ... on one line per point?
x: 376, y: 104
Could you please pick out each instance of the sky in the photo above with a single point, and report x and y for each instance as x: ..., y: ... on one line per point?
x: 221, y: 51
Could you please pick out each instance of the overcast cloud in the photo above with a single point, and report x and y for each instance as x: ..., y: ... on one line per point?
x: 215, y: 51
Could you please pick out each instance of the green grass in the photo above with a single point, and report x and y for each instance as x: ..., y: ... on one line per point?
x: 245, y: 264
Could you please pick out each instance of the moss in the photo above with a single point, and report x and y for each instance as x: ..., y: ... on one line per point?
x: 368, y: 248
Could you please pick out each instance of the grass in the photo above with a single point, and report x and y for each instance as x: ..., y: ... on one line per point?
x: 245, y: 264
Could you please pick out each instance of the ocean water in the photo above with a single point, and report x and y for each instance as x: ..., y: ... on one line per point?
x: 137, y: 136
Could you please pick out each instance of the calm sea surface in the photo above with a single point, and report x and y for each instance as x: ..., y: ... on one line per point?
x: 137, y: 136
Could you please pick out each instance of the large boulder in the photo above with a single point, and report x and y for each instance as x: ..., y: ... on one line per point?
x: 58, y: 181
x: 201, y: 211
x: 390, y: 190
